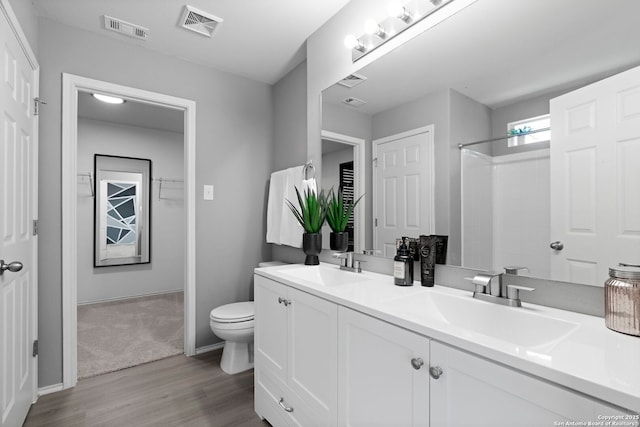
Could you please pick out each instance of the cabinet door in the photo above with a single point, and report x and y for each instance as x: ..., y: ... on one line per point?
x: 377, y: 383
x: 313, y: 356
x: 473, y: 391
x: 270, y: 339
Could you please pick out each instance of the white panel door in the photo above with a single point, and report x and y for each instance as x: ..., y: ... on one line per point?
x: 403, y: 188
x: 378, y: 385
x: 595, y: 179
x: 472, y: 391
x: 18, y: 160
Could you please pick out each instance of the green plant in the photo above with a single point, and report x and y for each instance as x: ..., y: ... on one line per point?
x: 339, y: 211
x: 312, y: 212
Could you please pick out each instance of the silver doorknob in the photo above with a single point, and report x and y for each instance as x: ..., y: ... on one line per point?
x: 435, y: 372
x: 417, y: 363
x: 557, y: 246
x: 13, y: 267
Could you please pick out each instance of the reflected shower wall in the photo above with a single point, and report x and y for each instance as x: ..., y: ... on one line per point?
x: 506, y: 211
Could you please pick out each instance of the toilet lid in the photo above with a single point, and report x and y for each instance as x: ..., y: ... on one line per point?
x: 236, y: 312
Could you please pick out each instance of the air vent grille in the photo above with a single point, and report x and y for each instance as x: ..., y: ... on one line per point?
x: 352, y: 80
x: 126, y: 28
x: 354, y: 102
x: 201, y: 22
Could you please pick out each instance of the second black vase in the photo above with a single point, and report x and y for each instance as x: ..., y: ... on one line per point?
x: 339, y: 241
x: 312, y: 246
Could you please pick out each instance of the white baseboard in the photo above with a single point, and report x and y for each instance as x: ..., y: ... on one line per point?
x: 123, y: 298
x: 208, y: 348
x: 50, y: 389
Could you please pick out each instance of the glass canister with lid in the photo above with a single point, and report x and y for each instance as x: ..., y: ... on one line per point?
x: 622, y: 299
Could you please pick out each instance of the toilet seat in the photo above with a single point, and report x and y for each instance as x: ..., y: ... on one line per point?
x: 238, y: 312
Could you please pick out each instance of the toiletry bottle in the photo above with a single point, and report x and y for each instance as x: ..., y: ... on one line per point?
x: 403, y: 266
x: 427, y: 260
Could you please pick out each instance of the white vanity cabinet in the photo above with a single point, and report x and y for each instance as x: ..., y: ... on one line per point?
x: 472, y: 391
x: 383, y: 375
x: 295, y: 356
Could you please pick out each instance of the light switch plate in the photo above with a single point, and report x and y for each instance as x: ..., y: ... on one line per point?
x: 208, y: 192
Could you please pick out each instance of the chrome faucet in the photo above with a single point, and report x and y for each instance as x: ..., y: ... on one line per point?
x: 350, y: 262
x: 490, y: 287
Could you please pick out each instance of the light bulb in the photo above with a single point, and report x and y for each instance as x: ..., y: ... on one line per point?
x: 395, y: 9
x: 350, y: 41
x: 371, y: 26
x: 108, y: 99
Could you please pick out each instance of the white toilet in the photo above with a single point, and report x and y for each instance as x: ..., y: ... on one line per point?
x: 234, y: 324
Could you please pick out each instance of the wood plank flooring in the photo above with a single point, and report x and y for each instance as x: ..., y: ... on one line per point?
x: 177, y: 391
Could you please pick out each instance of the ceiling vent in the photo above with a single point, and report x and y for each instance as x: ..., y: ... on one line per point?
x: 199, y: 21
x: 126, y: 28
x: 352, y: 80
x: 354, y: 102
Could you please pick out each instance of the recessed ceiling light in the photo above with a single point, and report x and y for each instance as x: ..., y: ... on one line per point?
x: 108, y: 99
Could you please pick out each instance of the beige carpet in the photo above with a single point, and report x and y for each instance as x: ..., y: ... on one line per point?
x: 120, y: 334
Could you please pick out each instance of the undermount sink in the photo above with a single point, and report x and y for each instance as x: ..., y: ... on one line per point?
x: 517, y: 326
x: 324, y: 275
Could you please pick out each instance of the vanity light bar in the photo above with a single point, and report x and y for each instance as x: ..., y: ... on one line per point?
x: 401, y: 17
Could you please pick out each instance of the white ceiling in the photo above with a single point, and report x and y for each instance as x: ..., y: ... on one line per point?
x: 131, y: 113
x: 502, y: 51
x: 259, y: 39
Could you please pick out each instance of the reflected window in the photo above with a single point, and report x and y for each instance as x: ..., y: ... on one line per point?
x: 521, y: 130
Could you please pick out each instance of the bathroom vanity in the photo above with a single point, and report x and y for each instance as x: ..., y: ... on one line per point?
x: 335, y: 348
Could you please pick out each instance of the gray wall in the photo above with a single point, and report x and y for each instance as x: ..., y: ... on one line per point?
x: 233, y: 151
x: 26, y: 13
x: 290, y: 119
x: 163, y: 273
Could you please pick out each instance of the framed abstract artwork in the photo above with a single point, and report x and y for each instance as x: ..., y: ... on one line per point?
x: 122, y: 211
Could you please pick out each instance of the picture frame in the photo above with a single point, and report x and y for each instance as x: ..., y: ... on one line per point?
x: 122, y: 211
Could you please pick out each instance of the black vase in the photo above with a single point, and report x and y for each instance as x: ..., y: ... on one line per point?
x: 312, y: 246
x: 339, y: 241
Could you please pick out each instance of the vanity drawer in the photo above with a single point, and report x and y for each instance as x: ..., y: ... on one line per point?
x: 279, y: 405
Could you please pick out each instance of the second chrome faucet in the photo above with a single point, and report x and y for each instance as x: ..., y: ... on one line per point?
x: 490, y: 287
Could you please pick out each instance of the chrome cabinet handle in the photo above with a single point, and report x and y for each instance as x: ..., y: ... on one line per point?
x: 285, y: 407
x: 13, y: 267
x: 284, y: 301
x: 557, y: 245
x: 435, y: 372
x: 417, y: 363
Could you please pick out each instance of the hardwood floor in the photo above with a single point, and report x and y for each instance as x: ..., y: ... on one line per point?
x: 178, y: 391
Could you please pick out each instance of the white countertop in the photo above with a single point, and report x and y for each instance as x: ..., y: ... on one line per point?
x: 571, y: 349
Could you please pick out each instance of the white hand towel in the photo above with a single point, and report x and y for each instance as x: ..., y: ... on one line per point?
x: 275, y: 205
x: 290, y: 229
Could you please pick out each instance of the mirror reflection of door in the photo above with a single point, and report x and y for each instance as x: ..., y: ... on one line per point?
x: 403, y: 188
x: 595, y: 209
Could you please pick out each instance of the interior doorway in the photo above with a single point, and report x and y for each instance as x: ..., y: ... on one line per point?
x: 73, y: 88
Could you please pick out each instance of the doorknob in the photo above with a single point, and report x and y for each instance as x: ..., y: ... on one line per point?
x: 13, y: 267
x: 557, y: 245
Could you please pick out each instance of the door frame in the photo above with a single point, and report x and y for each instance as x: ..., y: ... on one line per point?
x: 432, y: 173
x: 71, y: 85
x: 7, y: 10
x: 359, y: 187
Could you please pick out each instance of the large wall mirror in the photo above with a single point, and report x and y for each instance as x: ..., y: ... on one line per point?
x: 122, y: 212
x: 487, y: 69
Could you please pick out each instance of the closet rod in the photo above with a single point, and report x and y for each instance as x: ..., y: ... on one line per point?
x: 461, y: 146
